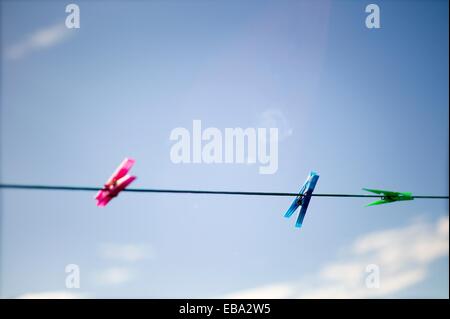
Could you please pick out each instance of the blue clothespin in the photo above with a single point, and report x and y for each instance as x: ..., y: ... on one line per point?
x: 303, y: 198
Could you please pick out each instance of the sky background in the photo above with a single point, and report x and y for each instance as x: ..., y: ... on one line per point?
x: 363, y: 107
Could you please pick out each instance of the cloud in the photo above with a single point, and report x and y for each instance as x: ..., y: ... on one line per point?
x: 273, y: 291
x: 115, y: 276
x: 403, y: 256
x: 62, y: 294
x: 38, y: 40
x: 125, y: 252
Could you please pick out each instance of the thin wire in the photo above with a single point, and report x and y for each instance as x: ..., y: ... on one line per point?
x: 187, y: 191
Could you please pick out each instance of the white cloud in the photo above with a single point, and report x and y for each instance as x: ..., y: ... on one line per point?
x: 403, y: 256
x: 40, y: 39
x: 274, y: 291
x: 62, y: 294
x: 125, y: 252
x: 115, y: 276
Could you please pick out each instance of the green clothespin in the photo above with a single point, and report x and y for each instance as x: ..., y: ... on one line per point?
x: 388, y: 196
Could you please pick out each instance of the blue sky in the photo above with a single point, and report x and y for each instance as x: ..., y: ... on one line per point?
x: 364, y: 108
